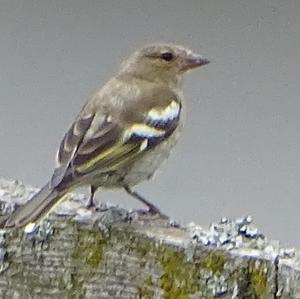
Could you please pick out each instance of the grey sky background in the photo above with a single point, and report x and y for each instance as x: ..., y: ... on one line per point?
x: 239, y: 153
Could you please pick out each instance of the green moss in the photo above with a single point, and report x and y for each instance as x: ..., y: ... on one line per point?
x: 145, y: 291
x: 181, y: 278
x: 89, y: 247
x: 259, y: 279
x: 252, y: 279
x: 214, y: 262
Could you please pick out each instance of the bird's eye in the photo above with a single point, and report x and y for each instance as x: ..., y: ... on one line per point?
x: 167, y: 56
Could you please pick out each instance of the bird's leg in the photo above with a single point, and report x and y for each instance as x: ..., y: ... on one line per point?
x: 91, y: 203
x: 152, y: 208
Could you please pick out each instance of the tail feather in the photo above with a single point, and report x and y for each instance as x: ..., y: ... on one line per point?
x: 35, y: 209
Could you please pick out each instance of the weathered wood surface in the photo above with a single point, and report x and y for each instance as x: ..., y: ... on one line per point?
x: 113, y: 253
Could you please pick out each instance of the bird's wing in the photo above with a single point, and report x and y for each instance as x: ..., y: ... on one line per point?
x: 106, y: 142
x: 69, y: 146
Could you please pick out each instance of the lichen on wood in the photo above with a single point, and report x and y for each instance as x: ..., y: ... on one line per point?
x: 113, y: 253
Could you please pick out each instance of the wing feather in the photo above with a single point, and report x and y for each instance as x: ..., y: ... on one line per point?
x: 69, y: 146
x: 100, y: 143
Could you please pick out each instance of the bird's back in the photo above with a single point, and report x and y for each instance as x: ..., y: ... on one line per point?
x: 129, y: 100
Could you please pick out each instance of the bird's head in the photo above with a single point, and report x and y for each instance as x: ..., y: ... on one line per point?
x: 162, y: 62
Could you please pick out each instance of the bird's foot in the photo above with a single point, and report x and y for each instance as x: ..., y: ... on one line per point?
x: 158, y: 213
x: 90, y: 205
x: 152, y: 212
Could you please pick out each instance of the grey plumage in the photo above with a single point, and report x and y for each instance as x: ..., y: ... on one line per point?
x: 123, y: 133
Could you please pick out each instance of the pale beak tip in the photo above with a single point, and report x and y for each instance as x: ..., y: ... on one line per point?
x: 199, y: 60
x: 195, y: 60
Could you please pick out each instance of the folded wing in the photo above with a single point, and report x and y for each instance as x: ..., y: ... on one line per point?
x: 108, y: 142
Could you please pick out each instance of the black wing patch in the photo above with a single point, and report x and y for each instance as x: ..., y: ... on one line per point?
x: 163, y: 120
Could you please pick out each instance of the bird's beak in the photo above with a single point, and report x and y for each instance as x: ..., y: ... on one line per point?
x: 192, y: 61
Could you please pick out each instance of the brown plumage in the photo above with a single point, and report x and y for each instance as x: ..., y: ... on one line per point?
x: 122, y: 134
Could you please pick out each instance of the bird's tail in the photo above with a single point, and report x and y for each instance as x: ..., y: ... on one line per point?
x: 35, y: 209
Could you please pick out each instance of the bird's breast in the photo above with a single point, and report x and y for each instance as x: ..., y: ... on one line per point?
x: 144, y: 168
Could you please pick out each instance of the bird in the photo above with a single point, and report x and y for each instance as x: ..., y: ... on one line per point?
x: 122, y: 134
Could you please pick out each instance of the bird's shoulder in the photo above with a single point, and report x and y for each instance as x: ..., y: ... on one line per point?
x: 131, y: 97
